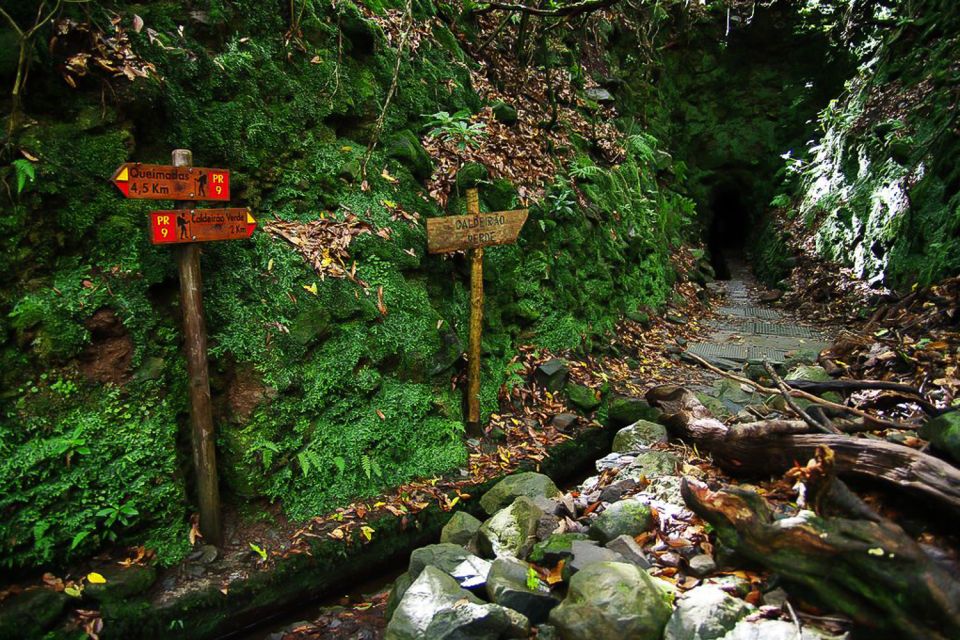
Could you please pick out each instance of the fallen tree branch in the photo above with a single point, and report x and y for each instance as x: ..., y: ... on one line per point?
x: 818, y: 425
x: 797, y: 393
x: 869, y: 570
x: 813, y: 386
x: 760, y: 451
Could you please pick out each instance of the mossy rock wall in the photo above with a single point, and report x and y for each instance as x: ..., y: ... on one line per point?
x: 881, y: 189
x: 319, y: 396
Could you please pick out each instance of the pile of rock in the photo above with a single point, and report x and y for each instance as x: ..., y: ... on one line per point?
x: 569, y: 565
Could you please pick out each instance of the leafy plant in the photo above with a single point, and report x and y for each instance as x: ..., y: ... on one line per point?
x: 121, y: 514
x: 533, y: 579
x: 260, y: 551
x: 370, y: 467
x: 456, y: 128
x: 25, y: 172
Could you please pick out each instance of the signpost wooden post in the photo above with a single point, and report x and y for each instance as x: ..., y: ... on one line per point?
x: 187, y: 226
x: 474, y: 231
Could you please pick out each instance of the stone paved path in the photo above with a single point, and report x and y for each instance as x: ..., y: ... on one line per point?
x: 747, y: 332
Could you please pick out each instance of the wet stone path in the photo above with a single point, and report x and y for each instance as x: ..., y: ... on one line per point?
x: 745, y: 332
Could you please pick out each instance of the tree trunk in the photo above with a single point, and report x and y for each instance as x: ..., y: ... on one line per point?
x: 752, y: 448
x: 869, y: 570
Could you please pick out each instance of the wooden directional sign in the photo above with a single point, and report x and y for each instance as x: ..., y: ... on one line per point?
x: 473, y: 231
x: 165, y: 182
x: 178, y: 226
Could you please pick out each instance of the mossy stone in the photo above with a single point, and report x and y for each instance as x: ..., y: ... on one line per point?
x: 121, y: 582
x: 529, y: 484
x: 405, y: 147
x: 583, y: 397
x: 500, y: 194
x: 627, y: 517
x: 471, y: 175
x: 399, y: 588
x: 808, y: 373
x: 944, y: 433
x: 504, y: 113
x: 510, y: 531
x: 639, y: 435
x: 626, y: 410
x: 30, y: 613
x: 552, y: 375
x: 460, y: 529
x: 555, y: 548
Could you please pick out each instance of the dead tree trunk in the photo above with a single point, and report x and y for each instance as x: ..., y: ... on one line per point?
x: 869, y: 570
x: 761, y: 448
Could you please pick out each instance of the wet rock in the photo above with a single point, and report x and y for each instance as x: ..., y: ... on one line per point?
x: 614, y: 460
x: 30, y: 613
x: 732, y: 584
x: 547, y: 525
x: 529, y: 484
x: 626, y: 410
x: 469, y: 571
x: 651, y: 464
x: 552, y: 375
x: 773, y: 630
x: 615, y: 491
x: 638, y: 436
x: 547, y: 632
x: 809, y: 373
x: 460, y: 529
x: 400, y: 586
x: 515, y: 584
x: 775, y: 597
x: 705, y: 613
x: 701, y: 565
x: 121, y: 582
x: 434, y: 607
x: 628, y: 548
x: 943, y: 432
x: 555, y: 548
x: 563, y: 421
x: 666, y: 489
x: 510, y: 531
x: 586, y: 553
x: 628, y: 517
x: 612, y: 601
x: 582, y: 397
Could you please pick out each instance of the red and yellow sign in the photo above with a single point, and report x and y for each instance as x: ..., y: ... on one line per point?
x: 165, y: 182
x: 179, y: 226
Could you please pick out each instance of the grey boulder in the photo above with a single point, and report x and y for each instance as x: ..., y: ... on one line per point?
x: 530, y: 484
x: 628, y: 517
x: 515, y: 584
x: 705, y: 613
x: 511, y: 531
x: 638, y: 436
x: 613, y: 601
x: 436, y: 608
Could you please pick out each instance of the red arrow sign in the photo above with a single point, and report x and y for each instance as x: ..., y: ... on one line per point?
x: 178, y: 226
x: 164, y: 182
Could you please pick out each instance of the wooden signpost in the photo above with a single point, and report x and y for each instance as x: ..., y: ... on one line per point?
x: 189, y: 227
x: 474, y: 231
x: 165, y: 182
x: 179, y: 226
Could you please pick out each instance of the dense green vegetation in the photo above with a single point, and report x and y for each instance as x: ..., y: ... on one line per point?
x: 351, y: 400
x: 322, y: 391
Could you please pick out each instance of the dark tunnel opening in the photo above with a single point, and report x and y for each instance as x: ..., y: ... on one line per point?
x: 729, y: 227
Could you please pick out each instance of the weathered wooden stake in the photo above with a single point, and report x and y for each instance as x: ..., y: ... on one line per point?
x: 195, y: 343
x: 476, y: 326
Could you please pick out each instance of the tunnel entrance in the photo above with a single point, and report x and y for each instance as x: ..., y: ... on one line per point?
x: 729, y: 227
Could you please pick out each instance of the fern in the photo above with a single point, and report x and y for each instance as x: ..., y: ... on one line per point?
x: 366, y: 465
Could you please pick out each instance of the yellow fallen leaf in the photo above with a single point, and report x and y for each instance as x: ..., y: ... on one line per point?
x: 95, y: 578
x: 312, y: 288
x: 367, y: 532
x: 389, y: 178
